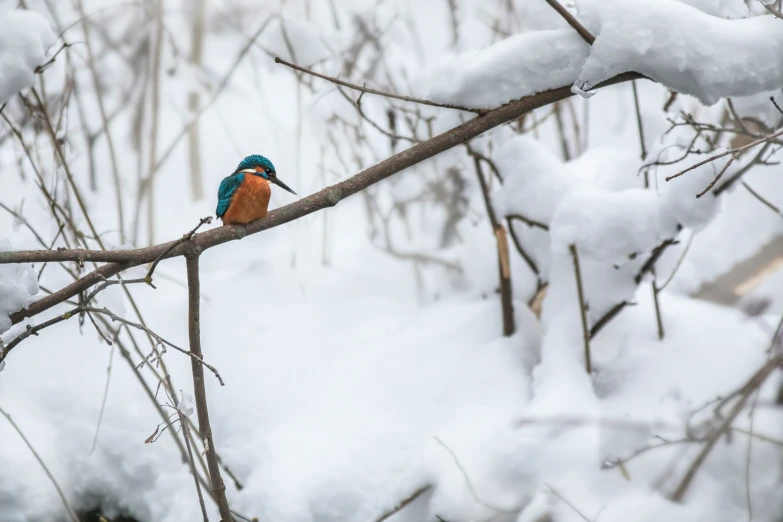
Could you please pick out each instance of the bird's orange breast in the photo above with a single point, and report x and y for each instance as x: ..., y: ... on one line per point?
x: 250, y: 201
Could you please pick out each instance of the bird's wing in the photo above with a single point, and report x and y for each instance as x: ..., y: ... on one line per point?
x: 226, y: 191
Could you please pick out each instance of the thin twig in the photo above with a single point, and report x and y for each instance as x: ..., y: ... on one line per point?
x: 365, y: 90
x: 641, y: 129
x: 174, y: 244
x: 105, y: 393
x: 64, y: 500
x: 469, y: 482
x: 403, y: 503
x: 567, y: 503
x: 735, y: 151
x: 183, y: 421
x: 755, y: 382
x: 761, y: 198
x: 532, y: 223
x: 658, y: 318
x: 582, y: 308
x: 573, y: 22
x: 720, y: 175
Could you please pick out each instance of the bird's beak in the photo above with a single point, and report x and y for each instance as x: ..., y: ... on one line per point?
x: 276, y: 181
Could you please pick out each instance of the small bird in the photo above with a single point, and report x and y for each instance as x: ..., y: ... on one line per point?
x: 244, y: 195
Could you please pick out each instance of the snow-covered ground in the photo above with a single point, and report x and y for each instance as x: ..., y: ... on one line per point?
x: 361, y: 346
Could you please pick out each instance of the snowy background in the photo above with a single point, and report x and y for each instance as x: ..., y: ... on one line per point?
x: 362, y: 347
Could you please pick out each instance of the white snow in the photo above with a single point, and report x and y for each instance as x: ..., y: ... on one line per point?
x: 517, y: 66
x: 682, y: 47
x: 710, y: 55
x: 534, y: 180
x: 24, y: 37
x: 187, y: 404
x: 611, y: 226
x: 362, y: 352
x: 18, y: 286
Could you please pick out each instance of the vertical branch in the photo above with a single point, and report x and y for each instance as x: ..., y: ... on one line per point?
x: 183, y: 421
x: 194, y: 145
x: 582, y: 311
x: 561, y: 131
x: 641, y: 142
x: 199, y: 390
x: 504, y: 265
x: 154, y: 113
x: 656, y: 291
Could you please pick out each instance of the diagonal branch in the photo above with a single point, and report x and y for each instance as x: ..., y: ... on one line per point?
x: 365, y: 90
x: 573, y: 22
x: 328, y: 197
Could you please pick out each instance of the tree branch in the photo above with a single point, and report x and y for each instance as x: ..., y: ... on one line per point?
x: 582, y: 308
x: 364, y: 90
x: 573, y: 22
x: 200, y: 392
x: 120, y: 260
x: 504, y: 265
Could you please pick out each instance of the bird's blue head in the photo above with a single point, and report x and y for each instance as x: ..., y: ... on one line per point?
x: 258, y: 165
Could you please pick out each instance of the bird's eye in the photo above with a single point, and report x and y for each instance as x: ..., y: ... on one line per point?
x: 269, y: 171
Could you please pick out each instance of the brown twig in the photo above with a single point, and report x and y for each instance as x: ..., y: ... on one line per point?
x: 733, y: 152
x: 607, y: 317
x: 573, y: 22
x: 757, y: 159
x: 504, y: 264
x: 532, y: 223
x: 720, y: 175
x: 582, y: 308
x: 402, y: 504
x: 761, y: 198
x: 755, y: 382
x: 658, y: 317
x: 364, y: 90
x: 200, y: 392
x: 641, y: 130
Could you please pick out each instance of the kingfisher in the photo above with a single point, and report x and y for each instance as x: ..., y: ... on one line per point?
x: 244, y: 195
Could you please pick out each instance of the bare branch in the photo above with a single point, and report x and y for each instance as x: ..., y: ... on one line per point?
x: 404, y: 503
x: 364, y: 90
x: 200, y: 392
x: 573, y: 22
x: 328, y: 197
x: 582, y: 308
x: 733, y: 152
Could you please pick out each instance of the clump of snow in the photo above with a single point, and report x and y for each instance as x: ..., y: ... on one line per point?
x: 534, y: 179
x: 187, y: 404
x: 682, y: 47
x: 610, y: 225
x: 24, y: 38
x: 680, y: 199
x: 18, y: 285
x: 707, y: 50
x: 520, y: 65
x: 731, y: 9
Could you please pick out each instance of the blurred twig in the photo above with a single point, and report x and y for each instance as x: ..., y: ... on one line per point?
x: 366, y: 90
x: 64, y: 500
